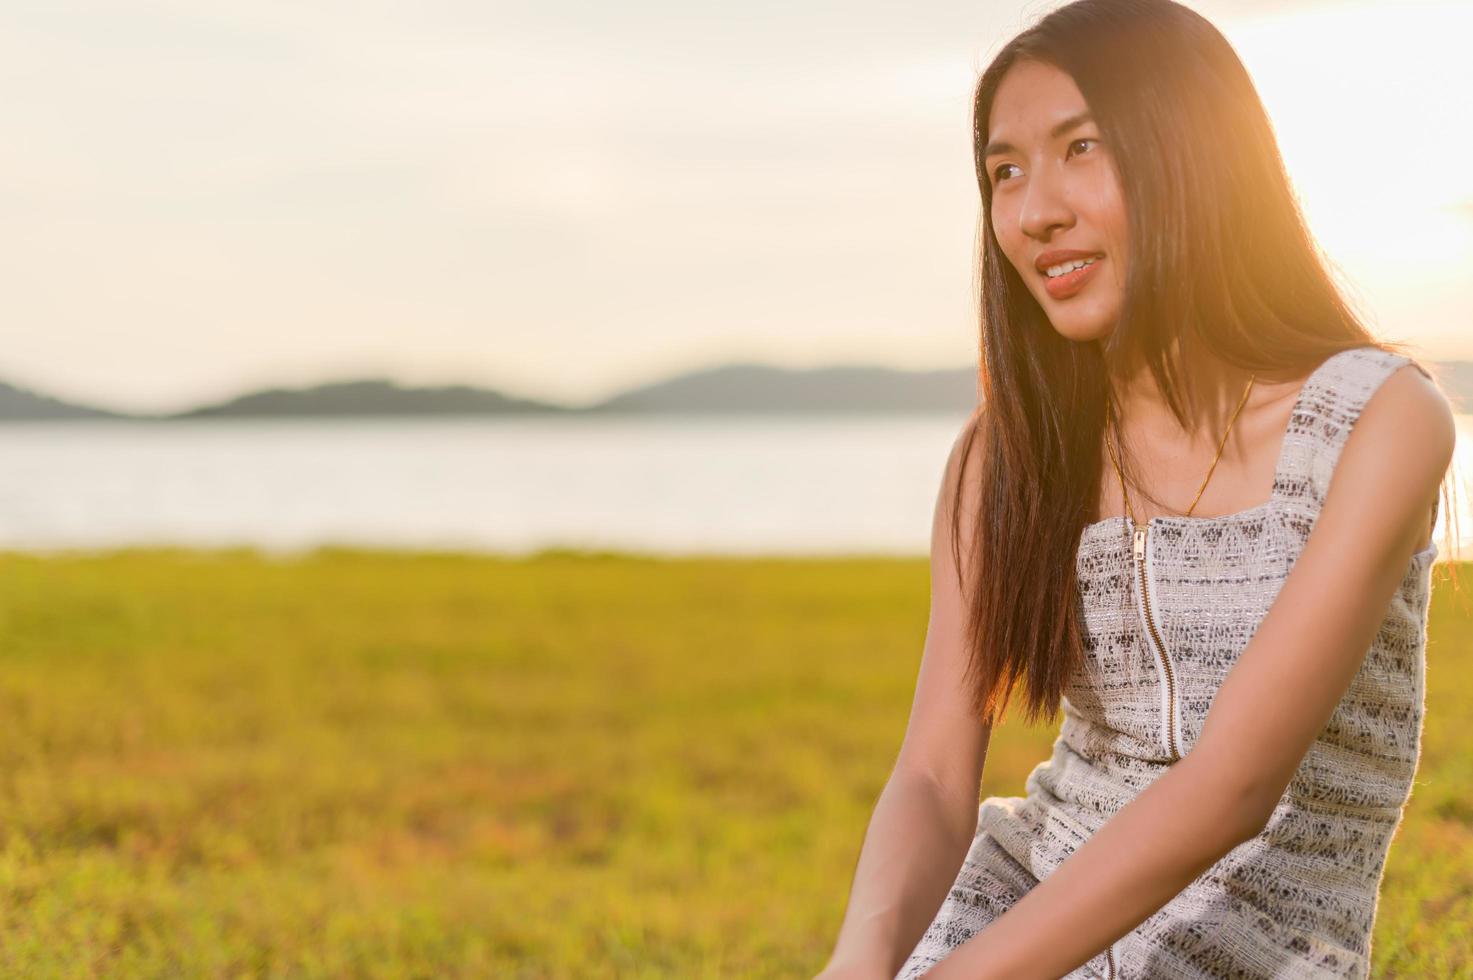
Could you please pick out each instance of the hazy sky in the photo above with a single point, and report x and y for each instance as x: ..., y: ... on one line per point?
x: 560, y: 200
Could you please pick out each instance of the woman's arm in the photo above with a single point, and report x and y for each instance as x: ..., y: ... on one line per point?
x: 926, y: 816
x: 1267, y: 714
x: 912, y: 851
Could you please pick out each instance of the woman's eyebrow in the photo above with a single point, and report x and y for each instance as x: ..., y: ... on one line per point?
x: 1078, y: 119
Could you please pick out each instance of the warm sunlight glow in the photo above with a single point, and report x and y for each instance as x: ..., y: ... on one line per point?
x: 1370, y: 106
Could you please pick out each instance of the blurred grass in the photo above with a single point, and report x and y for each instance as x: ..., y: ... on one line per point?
x: 355, y: 764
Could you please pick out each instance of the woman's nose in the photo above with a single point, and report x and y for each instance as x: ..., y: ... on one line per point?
x: 1044, y: 208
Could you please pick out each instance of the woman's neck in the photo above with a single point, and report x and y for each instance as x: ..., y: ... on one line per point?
x: 1215, y: 388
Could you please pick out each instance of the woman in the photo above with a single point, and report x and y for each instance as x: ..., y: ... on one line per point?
x: 1169, y: 382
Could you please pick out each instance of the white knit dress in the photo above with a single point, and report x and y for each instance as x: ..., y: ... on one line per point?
x: 1161, y: 634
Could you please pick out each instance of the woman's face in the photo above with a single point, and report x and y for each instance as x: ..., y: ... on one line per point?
x: 1055, y: 190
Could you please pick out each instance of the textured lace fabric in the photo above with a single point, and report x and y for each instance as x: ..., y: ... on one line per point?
x: 1299, y: 899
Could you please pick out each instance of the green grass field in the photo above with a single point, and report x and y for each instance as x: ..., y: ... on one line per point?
x: 350, y: 764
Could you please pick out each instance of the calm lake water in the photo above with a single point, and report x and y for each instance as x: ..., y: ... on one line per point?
x: 747, y: 485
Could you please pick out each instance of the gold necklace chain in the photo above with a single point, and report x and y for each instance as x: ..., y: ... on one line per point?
x: 1126, y: 499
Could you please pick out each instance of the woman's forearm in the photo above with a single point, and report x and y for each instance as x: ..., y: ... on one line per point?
x: 1165, y: 838
x: 914, y: 848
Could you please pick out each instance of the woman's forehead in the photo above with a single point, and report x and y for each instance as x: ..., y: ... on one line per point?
x: 1034, y: 101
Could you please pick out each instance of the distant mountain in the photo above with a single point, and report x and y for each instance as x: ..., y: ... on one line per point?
x: 739, y: 388
x: 1456, y: 378
x: 375, y: 396
x: 748, y: 388
x: 729, y: 389
x: 20, y: 404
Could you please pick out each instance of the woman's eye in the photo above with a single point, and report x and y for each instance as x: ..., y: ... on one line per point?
x: 997, y: 175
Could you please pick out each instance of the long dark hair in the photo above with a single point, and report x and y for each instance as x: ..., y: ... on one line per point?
x: 1220, y: 260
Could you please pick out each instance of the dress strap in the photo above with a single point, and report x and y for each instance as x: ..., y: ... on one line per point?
x: 1326, y: 409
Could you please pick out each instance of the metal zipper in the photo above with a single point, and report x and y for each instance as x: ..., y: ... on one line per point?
x: 1143, y: 597
x: 1110, y: 962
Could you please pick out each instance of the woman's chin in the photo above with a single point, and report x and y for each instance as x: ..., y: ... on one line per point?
x: 1082, y: 329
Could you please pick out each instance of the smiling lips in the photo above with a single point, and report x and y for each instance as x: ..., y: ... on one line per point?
x: 1065, y: 286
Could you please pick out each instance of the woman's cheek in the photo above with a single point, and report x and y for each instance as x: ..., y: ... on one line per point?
x: 1011, y: 249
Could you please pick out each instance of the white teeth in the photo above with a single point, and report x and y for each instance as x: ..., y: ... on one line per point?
x: 1054, y: 271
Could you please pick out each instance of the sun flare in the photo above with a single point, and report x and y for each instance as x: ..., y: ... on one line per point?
x: 1370, y: 105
